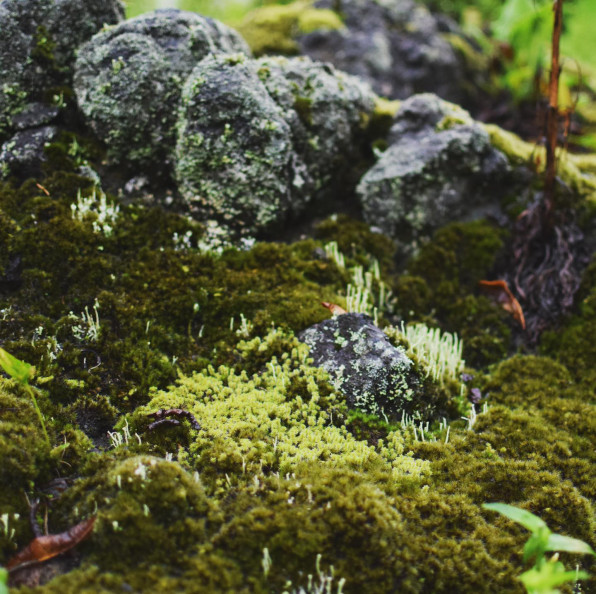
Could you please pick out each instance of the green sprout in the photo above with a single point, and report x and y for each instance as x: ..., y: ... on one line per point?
x: 22, y: 372
x: 546, y: 573
x: 3, y: 581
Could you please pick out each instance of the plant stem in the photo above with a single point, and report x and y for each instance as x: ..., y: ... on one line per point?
x: 553, y: 111
x: 39, y: 415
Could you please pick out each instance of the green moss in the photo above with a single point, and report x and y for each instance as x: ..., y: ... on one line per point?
x: 573, y: 344
x: 26, y: 462
x: 356, y: 240
x: 272, y: 29
x: 575, y: 172
x: 441, y: 287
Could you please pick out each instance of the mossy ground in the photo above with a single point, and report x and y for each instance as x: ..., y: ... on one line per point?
x: 279, y: 462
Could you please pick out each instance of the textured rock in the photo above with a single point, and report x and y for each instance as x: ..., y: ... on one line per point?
x: 23, y: 154
x: 234, y: 157
x: 397, y: 46
x: 326, y: 109
x: 440, y: 167
x: 374, y: 376
x: 128, y: 79
x: 257, y: 139
x: 38, y: 43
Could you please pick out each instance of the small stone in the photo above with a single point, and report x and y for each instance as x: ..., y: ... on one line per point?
x: 375, y: 377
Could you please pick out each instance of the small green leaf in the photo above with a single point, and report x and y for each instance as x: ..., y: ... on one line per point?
x: 3, y: 581
x: 550, y: 574
x: 537, y: 544
x: 17, y: 369
x: 558, y: 542
x: 521, y: 516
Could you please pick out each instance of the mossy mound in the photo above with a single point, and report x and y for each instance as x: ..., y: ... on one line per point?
x: 440, y: 287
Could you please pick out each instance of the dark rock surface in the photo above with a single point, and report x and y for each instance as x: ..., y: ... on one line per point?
x: 374, y: 376
x: 128, y: 79
x: 258, y: 139
x: 38, y: 41
x: 440, y: 167
x: 398, y: 47
x: 23, y: 154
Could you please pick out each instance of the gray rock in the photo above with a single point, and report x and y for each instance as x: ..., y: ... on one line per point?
x: 234, y: 156
x: 128, y: 79
x: 326, y: 110
x: 440, y: 167
x: 375, y: 377
x: 23, y: 154
x: 35, y: 114
x: 397, y: 46
x: 258, y: 139
x: 37, y: 47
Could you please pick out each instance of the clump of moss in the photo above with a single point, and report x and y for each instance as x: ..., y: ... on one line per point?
x: 113, y: 314
x: 573, y: 344
x: 440, y: 287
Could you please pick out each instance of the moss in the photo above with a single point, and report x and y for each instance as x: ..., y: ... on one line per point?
x: 272, y: 29
x: 26, y: 462
x: 357, y: 240
x: 440, y: 287
x: 575, y: 172
x: 573, y: 343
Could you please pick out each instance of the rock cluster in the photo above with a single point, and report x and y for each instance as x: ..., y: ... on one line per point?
x: 259, y: 139
x: 38, y: 42
x: 129, y: 78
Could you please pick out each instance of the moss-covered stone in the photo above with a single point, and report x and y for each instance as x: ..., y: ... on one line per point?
x: 144, y: 61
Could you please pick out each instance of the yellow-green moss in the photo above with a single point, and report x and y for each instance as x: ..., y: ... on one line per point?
x: 574, y: 170
x: 272, y: 29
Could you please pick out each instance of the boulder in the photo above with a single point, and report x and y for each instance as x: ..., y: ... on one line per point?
x: 258, y: 139
x: 128, y: 79
x: 440, y: 167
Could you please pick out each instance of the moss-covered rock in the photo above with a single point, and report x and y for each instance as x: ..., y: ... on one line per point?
x: 144, y: 61
x: 38, y: 44
x: 439, y: 167
x: 284, y: 130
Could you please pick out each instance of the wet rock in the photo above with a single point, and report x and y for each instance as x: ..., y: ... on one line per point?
x: 128, y: 79
x: 234, y: 157
x: 327, y: 111
x: 37, y: 47
x: 399, y: 47
x: 374, y: 376
x: 440, y: 167
x: 23, y: 154
x: 257, y: 139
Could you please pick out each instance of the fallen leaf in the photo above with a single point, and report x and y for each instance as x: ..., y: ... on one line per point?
x: 499, y: 291
x: 336, y: 310
x: 51, y: 545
